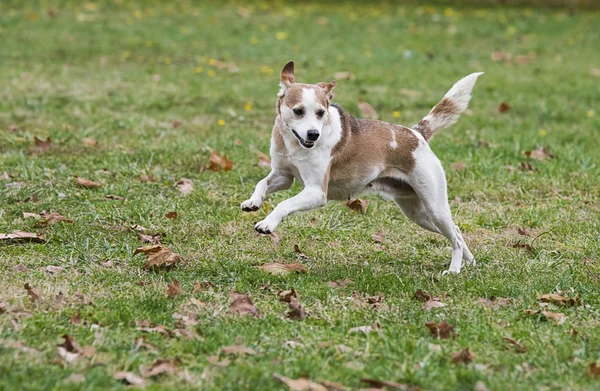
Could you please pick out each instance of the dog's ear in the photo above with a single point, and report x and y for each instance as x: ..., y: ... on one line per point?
x: 287, y: 77
x: 327, y: 87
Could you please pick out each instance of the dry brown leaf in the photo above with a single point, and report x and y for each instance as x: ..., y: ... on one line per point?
x: 171, y: 215
x: 43, y: 145
x: 296, y: 309
x: 114, y: 197
x: 86, y: 183
x: 218, y: 162
x: 558, y: 299
x: 332, y: 386
x: 90, y: 142
x: 214, y: 360
x: 524, y: 246
x: 525, y: 166
x: 464, y: 356
x: 300, y: 253
x: 539, y: 154
x: 185, y: 186
x: 263, y: 160
x: 433, y: 304
x: 5, y: 176
x: 175, y: 289
x: 443, y: 330
x: 129, y: 378
x: 238, y: 350
x: 33, y: 294
x: 198, y: 286
x: 518, y: 347
x: 158, y: 255
x: 153, y: 239
x: 278, y: 269
x: 67, y: 356
x: 494, y: 302
x: 503, y: 107
x: 28, y: 215
x: 557, y: 317
x: 422, y: 295
x: 458, y: 166
x: 381, y: 384
x: 161, y: 366
x: 366, y: 110
x: 300, y: 384
x: 523, y: 231
x: 242, y: 305
x: 21, y: 236
x: 378, y: 237
x: 358, y: 205
x: 54, y: 269
x: 20, y: 268
x: 3, y: 307
x: 340, y: 283
x: 51, y: 219
x: 108, y: 263
x: 177, y: 123
x: 594, y: 370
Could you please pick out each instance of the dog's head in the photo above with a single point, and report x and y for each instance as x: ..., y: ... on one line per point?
x: 303, y: 108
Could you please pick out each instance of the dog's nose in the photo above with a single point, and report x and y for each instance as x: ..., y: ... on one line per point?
x: 312, y: 135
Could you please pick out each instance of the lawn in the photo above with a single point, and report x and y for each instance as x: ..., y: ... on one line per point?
x: 135, y: 96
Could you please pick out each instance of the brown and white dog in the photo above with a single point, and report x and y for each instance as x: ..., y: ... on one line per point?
x: 338, y: 157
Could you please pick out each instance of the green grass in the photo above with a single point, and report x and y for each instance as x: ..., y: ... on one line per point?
x: 90, y: 71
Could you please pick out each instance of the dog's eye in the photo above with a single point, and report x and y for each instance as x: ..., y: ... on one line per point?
x: 320, y: 113
x: 299, y: 112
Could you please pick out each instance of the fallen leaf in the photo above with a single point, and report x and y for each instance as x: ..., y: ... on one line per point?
x: 108, y: 263
x: 154, y: 239
x: 218, y: 162
x: 594, y: 370
x: 299, y: 252
x: 557, y: 317
x: 286, y: 296
x: 263, y: 160
x: 3, y: 307
x: 5, y: 176
x: 20, y: 236
x: 366, y: 110
x: 524, y: 246
x: 147, y: 178
x: 90, y: 142
x: 76, y: 319
x: 43, y: 145
x: 51, y: 219
x: 495, y: 302
x: 161, y: 366
x: 278, y: 269
x: 198, y: 286
x: 242, y: 305
x: 185, y: 186
x: 433, y: 304
x: 274, y: 237
x: 458, y: 166
x: 464, y: 356
x: 28, y: 215
x: 343, y: 76
x: 375, y: 327
x: 332, y: 386
x: 523, y: 231
x: 70, y: 345
x: 129, y: 378
x: 67, y: 356
x: 177, y: 123
x: 175, y: 289
x: 480, y: 386
x: 558, y: 299
x: 238, y: 350
x: 296, y: 309
x: 54, y: 269
x: 158, y: 255
x: 59, y: 299
x: 300, y: 384
x: 381, y: 384
x: 214, y: 360
x: 114, y: 197
x: 33, y: 294
x: 378, y: 237
x: 358, y: 205
x: 422, y: 295
x: 539, y: 154
x: 518, y: 347
x: 340, y: 283
x: 20, y: 268
x: 86, y: 183
x: 171, y: 215
x: 524, y: 166
x: 443, y: 330
x: 503, y: 107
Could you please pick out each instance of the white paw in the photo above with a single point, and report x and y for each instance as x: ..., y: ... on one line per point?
x: 250, y: 205
x: 451, y: 270
x: 266, y: 226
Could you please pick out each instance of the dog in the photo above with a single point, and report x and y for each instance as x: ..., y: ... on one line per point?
x: 336, y: 156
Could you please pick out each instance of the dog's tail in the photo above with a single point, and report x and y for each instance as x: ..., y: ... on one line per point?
x: 446, y: 113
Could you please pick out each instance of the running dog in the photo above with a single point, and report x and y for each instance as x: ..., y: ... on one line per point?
x: 336, y: 156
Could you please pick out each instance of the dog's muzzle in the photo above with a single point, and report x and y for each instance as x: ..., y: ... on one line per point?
x: 308, y: 144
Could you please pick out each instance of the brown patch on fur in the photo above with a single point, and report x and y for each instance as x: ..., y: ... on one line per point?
x: 365, y: 144
x: 424, y: 128
x: 444, y: 108
x: 293, y: 95
x: 325, y: 184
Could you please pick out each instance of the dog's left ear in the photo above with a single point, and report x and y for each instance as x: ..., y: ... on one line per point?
x: 327, y: 87
x: 287, y: 77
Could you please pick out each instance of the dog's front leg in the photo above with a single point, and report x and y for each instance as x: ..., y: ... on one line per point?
x: 310, y: 198
x: 275, y: 181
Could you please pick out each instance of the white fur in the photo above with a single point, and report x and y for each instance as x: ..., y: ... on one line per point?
x: 393, y: 143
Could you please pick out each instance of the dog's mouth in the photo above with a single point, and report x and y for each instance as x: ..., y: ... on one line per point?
x: 303, y: 142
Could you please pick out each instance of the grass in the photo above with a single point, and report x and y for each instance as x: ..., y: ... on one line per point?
x: 123, y: 72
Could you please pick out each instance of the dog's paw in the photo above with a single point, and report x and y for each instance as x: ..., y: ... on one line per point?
x: 471, y: 262
x: 265, y: 227
x: 250, y: 205
x: 450, y: 271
